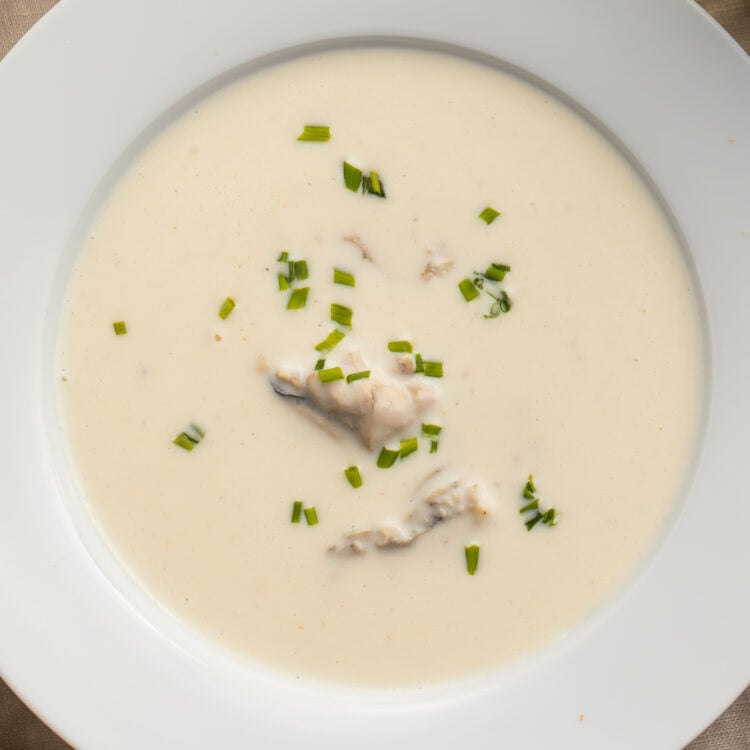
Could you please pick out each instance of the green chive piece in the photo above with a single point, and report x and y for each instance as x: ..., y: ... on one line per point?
x: 283, y: 257
x: 311, y: 516
x: 319, y: 365
x: 330, y: 341
x: 227, y: 307
x: 400, y: 346
x: 472, y: 558
x: 352, y: 177
x: 418, y: 363
x: 550, y: 517
x: 387, y: 458
x: 530, y: 486
x: 120, y: 328
x: 320, y: 133
x: 300, y: 270
x: 361, y: 375
x: 489, y: 215
x: 433, y: 446
x: 433, y: 369
x: 298, y: 298
x: 291, y: 276
x: 283, y: 283
x: 354, y: 477
x: 373, y: 185
x: 341, y: 314
x: 468, y: 289
x: 408, y: 446
x: 505, y: 302
x: 431, y: 429
x: 497, y: 271
x: 533, y: 521
x: 190, y: 437
x: 533, y: 505
x: 342, y: 277
x: 296, y: 511
x: 331, y: 374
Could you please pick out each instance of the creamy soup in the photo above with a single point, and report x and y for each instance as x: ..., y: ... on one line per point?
x: 198, y: 435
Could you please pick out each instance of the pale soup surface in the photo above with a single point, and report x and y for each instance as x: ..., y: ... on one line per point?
x: 592, y: 381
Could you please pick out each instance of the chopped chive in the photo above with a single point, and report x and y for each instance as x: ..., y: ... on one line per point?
x: 318, y: 133
x: 283, y: 283
x: 373, y: 185
x: 472, y: 558
x: 489, y: 215
x: 296, y: 511
x: 120, y: 328
x: 300, y: 269
x: 550, y: 517
x: 533, y: 521
x: 311, y: 516
x: 431, y: 429
x: 341, y: 314
x: 497, y: 271
x: 283, y: 256
x: 361, y: 375
x: 433, y: 369
x: 533, y: 505
x: 400, y: 346
x: 387, y: 457
x: 418, y: 363
x: 331, y: 374
x: 408, y: 446
x: 505, y: 302
x: 530, y: 486
x: 292, y: 271
x: 468, y: 289
x: 298, y: 298
x: 319, y: 365
x: 352, y: 177
x: 227, y: 307
x: 354, y: 477
x: 433, y: 446
x: 185, y: 441
x: 330, y: 341
x: 342, y: 277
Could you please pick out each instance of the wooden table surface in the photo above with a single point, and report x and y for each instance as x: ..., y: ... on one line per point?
x: 20, y: 729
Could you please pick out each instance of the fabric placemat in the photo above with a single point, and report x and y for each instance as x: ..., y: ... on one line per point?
x: 20, y: 729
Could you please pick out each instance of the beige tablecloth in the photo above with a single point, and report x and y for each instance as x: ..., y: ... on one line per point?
x: 19, y: 727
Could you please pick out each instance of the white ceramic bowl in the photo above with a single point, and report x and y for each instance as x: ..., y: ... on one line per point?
x: 87, y: 648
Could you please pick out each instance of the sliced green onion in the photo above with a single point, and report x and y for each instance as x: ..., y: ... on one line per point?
x: 550, y: 517
x: 497, y: 271
x: 431, y: 429
x: 291, y: 275
x: 533, y: 505
x: 120, y: 328
x: 283, y: 283
x: 330, y: 341
x: 361, y: 375
x: 311, y: 516
x: 227, y: 307
x: 530, y: 486
x: 300, y: 270
x: 296, y: 511
x: 342, y: 277
x: 400, y: 346
x: 408, y: 446
x: 331, y: 374
x: 190, y: 437
x: 283, y: 257
x: 387, y: 457
x: 318, y: 133
x: 418, y: 363
x: 352, y: 177
x: 472, y: 558
x: 468, y: 289
x: 533, y: 521
x: 319, y: 365
x: 298, y: 298
x: 433, y: 369
x: 489, y: 215
x: 373, y: 185
x: 433, y: 446
x: 341, y: 314
x: 354, y: 477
